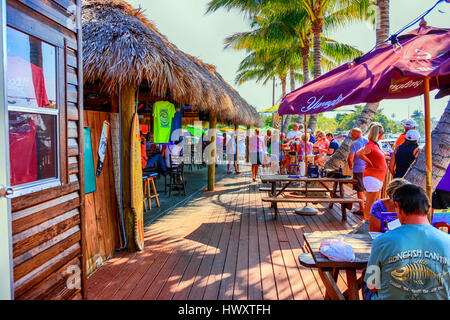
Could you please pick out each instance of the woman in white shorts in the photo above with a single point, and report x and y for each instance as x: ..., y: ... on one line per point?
x: 376, y: 167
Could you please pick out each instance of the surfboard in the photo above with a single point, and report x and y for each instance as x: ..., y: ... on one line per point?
x: 137, y: 194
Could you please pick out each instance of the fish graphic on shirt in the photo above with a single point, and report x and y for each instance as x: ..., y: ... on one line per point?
x: 417, y: 272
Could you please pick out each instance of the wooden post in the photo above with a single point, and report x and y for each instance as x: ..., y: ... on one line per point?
x: 236, y: 130
x: 247, y: 146
x: 128, y: 94
x: 212, y: 155
x: 428, y: 153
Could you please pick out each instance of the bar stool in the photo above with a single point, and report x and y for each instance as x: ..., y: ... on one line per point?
x: 148, y: 180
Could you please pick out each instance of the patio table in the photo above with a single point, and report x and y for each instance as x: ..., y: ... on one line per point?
x: 335, y: 193
x: 329, y: 270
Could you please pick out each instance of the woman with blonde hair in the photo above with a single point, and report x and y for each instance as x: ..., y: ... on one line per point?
x: 384, y: 205
x: 376, y: 166
x: 321, y: 144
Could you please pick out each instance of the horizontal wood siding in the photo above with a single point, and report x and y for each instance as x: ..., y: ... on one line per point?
x: 46, y: 225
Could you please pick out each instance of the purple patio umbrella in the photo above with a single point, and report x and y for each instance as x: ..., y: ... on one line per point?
x: 412, y: 65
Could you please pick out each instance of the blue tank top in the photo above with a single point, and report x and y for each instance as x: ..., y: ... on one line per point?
x: 403, y: 159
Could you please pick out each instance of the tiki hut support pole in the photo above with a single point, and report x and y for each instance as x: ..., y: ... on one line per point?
x: 128, y: 101
x: 236, y: 130
x: 428, y: 140
x: 247, y: 145
x: 212, y: 155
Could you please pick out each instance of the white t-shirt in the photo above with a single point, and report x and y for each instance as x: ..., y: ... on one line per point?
x: 292, y: 134
x: 175, y: 151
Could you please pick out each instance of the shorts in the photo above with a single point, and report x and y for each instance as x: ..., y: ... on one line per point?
x: 256, y: 158
x: 359, y: 185
x: 441, y: 199
x: 372, y: 184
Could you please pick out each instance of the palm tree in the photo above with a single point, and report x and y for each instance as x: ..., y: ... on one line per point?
x: 440, y: 151
x: 289, y: 30
x: 382, y: 32
x: 329, y: 13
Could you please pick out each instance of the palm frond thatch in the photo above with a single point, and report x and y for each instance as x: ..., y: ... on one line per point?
x: 121, y: 47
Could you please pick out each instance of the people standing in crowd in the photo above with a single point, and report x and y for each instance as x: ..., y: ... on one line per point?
x: 441, y: 195
x: 405, y: 154
x: 256, y: 153
x: 409, y: 125
x: 333, y: 145
x: 384, y: 205
x: 375, y: 170
x: 295, y: 133
x: 231, y: 154
x: 357, y: 165
x: 411, y: 261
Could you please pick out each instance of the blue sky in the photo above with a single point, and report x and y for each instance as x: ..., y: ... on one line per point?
x: 186, y: 25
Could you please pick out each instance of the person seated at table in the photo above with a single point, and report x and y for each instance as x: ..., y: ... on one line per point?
x: 405, y: 154
x: 333, y: 145
x: 295, y: 132
x: 291, y: 154
x: 384, y: 205
x: 173, y: 152
x: 309, y: 146
x: 320, y: 148
x: 410, y: 262
x: 149, y: 162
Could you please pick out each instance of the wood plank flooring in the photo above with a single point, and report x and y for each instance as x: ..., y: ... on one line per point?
x: 223, y: 245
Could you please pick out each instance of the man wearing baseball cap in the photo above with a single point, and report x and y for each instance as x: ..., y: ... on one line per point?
x: 405, y: 154
x: 409, y: 125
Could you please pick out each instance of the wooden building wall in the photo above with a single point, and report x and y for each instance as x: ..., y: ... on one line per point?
x: 47, y: 225
x: 101, y: 206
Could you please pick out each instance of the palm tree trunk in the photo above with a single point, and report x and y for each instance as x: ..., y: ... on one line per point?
x: 382, y: 32
x: 288, y: 117
x: 440, y: 151
x: 305, y: 56
x: 317, y: 57
x: 284, y: 123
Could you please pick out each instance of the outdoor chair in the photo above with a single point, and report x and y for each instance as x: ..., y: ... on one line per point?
x: 175, y: 176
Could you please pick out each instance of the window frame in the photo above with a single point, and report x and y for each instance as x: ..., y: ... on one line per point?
x: 47, y: 183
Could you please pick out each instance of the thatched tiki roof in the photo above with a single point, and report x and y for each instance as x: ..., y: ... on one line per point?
x: 121, y: 47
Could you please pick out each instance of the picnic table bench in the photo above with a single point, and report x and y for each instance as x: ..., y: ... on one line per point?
x: 335, y: 194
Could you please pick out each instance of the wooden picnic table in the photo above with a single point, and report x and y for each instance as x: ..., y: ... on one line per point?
x: 335, y: 194
x: 329, y: 270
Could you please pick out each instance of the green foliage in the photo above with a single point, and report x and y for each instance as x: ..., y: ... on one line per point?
x: 348, y: 121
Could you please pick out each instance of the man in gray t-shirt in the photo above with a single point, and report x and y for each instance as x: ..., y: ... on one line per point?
x: 357, y: 165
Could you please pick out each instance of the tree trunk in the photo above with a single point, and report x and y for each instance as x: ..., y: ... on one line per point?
x: 382, y: 32
x: 127, y: 113
x: 440, y: 151
x: 286, y: 119
x: 305, y: 57
x: 317, y: 57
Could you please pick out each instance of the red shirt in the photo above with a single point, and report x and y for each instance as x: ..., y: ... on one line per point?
x: 378, y: 168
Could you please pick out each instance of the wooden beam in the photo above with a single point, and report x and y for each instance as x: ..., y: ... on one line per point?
x: 428, y: 146
x: 247, y: 147
x: 236, y: 130
x: 212, y: 154
x: 128, y: 101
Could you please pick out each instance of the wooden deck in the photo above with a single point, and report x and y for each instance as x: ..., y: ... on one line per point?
x: 221, y: 246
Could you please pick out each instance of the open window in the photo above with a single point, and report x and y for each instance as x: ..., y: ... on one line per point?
x: 33, y: 113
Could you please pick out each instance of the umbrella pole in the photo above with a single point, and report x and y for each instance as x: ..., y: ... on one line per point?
x: 306, y: 210
x: 428, y: 152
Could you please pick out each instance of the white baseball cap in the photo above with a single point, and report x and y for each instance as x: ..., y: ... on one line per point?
x: 413, y: 135
x: 410, y: 124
